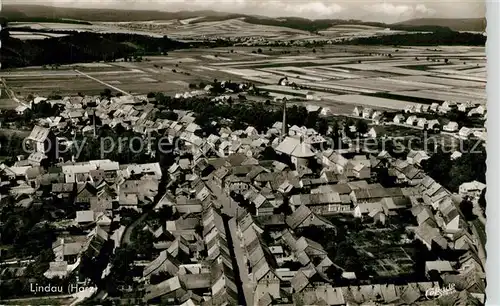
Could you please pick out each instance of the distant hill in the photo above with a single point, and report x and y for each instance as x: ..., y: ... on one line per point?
x: 468, y: 24
x: 16, y: 12
x: 38, y: 13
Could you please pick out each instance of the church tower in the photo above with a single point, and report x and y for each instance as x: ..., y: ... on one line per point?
x: 284, y: 127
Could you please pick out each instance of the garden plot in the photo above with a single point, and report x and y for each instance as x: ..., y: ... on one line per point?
x: 148, y: 80
x: 268, y: 79
x: 297, y: 73
x: 470, y: 92
x: 383, y: 84
x: 28, y: 36
x: 216, y: 58
x: 475, y: 70
x: 330, y: 86
x: 93, y: 65
x: 171, y: 60
x: 442, y: 80
x: 285, y: 90
x: 381, y: 68
x: 439, y: 95
x: 460, y: 67
x: 249, y: 62
x: 250, y: 54
x: 465, y: 77
x: 336, y: 74
x: 180, y: 83
x: 298, y: 57
x: 246, y: 72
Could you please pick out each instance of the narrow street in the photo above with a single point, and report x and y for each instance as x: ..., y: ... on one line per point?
x: 243, y: 272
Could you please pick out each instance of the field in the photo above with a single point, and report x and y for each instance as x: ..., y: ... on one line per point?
x: 379, y: 77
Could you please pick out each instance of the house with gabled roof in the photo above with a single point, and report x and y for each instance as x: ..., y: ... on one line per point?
x: 42, y: 140
x: 165, y: 262
x: 303, y: 217
x: 322, y: 203
x: 430, y: 236
x: 450, y: 216
x: 377, y: 131
x: 166, y: 290
x: 471, y: 189
x: 375, y: 194
x: 416, y: 157
x: 433, y: 124
x: 364, y: 209
x: 299, y: 152
x: 422, y: 123
x: 358, y: 111
x: 450, y: 127
x: 399, y: 119
x: 412, y: 120
x: 465, y: 132
x: 367, y: 112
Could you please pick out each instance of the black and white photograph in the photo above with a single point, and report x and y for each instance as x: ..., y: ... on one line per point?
x: 245, y: 152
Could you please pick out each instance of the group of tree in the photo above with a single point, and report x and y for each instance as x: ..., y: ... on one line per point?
x: 451, y: 174
x: 255, y: 114
x: 440, y: 37
x: 82, y: 47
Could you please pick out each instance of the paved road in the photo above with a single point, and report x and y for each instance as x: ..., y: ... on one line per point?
x: 103, y: 83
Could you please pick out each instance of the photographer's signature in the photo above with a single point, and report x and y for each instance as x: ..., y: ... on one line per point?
x: 438, y: 292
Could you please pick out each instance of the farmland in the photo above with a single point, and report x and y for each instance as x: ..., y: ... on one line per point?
x: 379, y: 77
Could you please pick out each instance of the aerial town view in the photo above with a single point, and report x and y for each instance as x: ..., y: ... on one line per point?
x: 190, y: 156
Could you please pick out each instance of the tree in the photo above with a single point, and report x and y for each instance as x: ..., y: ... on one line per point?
x: 106, y: 92
x: 446, y: 60
x: 466, y: 208
x: 121, y: 267
x: 322, y: 126
x: 482, y: 200
x: 361, y: 127
x: 259, y: 50
x: 314, y: 50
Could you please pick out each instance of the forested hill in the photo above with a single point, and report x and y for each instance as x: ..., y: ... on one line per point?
x: 457, y: 24
x: 448, y: 38
x: 80, y: 47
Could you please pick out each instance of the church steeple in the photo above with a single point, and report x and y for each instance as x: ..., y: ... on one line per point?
x: 94, y: 124
x: 283, y: 128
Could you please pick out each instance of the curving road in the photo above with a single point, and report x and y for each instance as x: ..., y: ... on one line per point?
x: 128, y: 231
